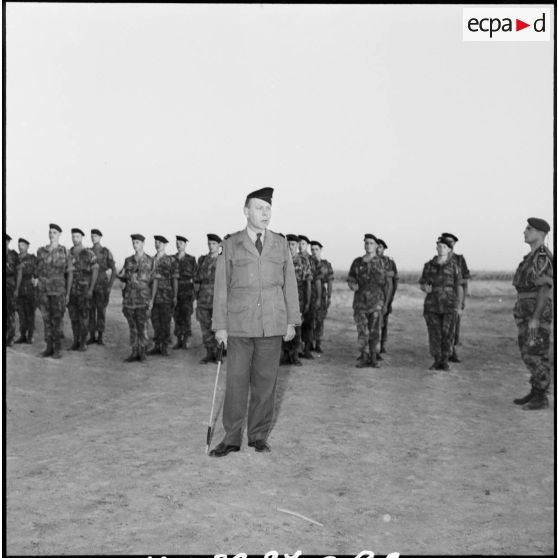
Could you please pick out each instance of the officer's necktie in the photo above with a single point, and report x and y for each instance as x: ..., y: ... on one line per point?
x: 259, y: 244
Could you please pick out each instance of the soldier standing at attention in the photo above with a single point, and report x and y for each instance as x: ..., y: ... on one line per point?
x: 25, y: 292
x: 53, y: 276
x: 102, y: 290
x: 187, y: 267
x: 441, y: 281
x: 203, y: 285
x: 165, y: 287
x: 324, y: 275
x: 533, y: 281
x: 307, y: 334
x: 256, y: 306
x: 465, y: 276
x: 10, y: 274
x: 86, y: 270
x: 391, y: 270
x: 137, y: 296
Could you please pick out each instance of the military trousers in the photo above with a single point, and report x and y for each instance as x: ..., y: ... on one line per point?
x: 137, y: 323
x: 204, y: 316
x: 26, y: 306
x: 319, y: 316
x: 78, y: 309
x: 161, y: 317
x: 10, y: 325
x: 534, y: 351
x: 441, y: 331
x: 98, y: 309
x: 384, y: 331
x: 52, y: 309
x: 183, y: 313
x: 307, y: 327
x: 368, y: 323
x: 252, y: 367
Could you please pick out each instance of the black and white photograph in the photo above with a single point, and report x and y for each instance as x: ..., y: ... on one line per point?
x: 279, y: 279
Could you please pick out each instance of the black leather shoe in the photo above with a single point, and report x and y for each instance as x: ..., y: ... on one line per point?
x: 222, y: 449
x: 259, y: 445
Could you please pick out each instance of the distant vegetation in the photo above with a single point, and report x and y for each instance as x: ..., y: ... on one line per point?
x: 412, y: 277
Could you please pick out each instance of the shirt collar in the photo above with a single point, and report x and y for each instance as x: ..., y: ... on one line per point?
x: 253, y: 235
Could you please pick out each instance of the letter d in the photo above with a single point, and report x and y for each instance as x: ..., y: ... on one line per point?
x: 543, y: 20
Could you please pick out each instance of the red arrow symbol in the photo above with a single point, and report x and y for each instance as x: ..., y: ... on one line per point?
x: 519, y: 25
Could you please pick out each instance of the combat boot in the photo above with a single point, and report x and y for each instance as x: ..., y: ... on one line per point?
x: 362, y: 361
x: 164, y: 350
x: 57, y: 353
x: 141, y: 354
x: 435, y: 365
x: 444, y: 364
x: 524, y: 399
x: 307, y: 353
x: 318, y: 348
x: 75, y: 345
x: 383, y: 349
x: 156, y: 350
x: 295, y: 360
x: 179, y: 343
x: 30, y: 338
x: 538, y: 401
x: 379, y: 356
x: 373, y: 360
x: 91, y: 339
x: 10, y: 341
x: 83, y: 343
x: 185, y: 343
x: 454, y: 357
x: 49, y: 350
x: 133, y: 356
x: 100, y: 339
x: 208, y: 356
x: 21, y: 339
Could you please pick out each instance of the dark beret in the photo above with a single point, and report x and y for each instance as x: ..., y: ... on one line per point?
x: 7, y: 237
x: 78, y: 231
x: 450, y: 236
x: 381, y: 242
x: 293, y: 238
x: 264, y: 194
x: 55, y: 227
x: 316, y: 243
x: 183, y: 238
x: 302, y: 237
x: 24, y: 241
x: 226, y: 236
x: 281, y: 234
x: 214, y: 237
x: 539, y: 224
x: 160, y: 238
x: 97, y: 232
x: 444, y: 240
x: 138, y: 237
x: 369, y: 235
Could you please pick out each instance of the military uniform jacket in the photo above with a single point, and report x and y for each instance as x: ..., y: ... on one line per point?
x: 187, y: 268
x: 26, y: 262
x: 205, y: 280
x: 83, y: 263
x: 371, y: 278
x: 302, y: 273
x: 255, y: 295
x: 137, y: 277
x: 534, y: 271
x: 445, y: 280
x: 465, y: 273
x: 51, y: 267
x: 11, y: 268
x: 105, y: 261
x: 165, y: 269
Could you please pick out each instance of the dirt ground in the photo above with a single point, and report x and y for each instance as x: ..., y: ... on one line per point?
x: 108, y: 457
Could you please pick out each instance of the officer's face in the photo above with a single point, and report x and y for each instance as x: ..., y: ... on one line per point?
x: 316, y: 250
x: 293, y: 247
x: 95, y: 238
x: 258, y: 214
x: 370, y: 246
x: 180, y: 245
x: 137, y: 244
x: 303, y: 246
x: 53, y: 235
x: 213, y: 246
x: 442, y: 249
x: 76, y: 239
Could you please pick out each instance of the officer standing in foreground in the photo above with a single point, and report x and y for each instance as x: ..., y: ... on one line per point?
x: 102, y: 290
x: 533, y: 281
x: 256, y: 305
x: 186, y: 266
x: 324, y: 275
x: 53, y: 276
x: 204, y: 284
x: 391, y: 270
x: 25, y: 292
x: 10, y: 272
x: 372, y: 287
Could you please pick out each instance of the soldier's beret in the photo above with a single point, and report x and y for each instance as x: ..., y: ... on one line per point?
x: 55, y: 227
x: 226, y: 236
x: 7, y: 237
x: 183, y: 238
x: 213, y: 237
x: 444, y: 240
x: 138, y: 237
x: 264, y: 194
x: 78, y: 231
x: 281, y: 234
x: 160, y: 238
x: 369, y: 235
x: 97, y: 232
x: 316, y: 243
x: 382, y: 243
x: 293, y: 238
x: 24, y: 241
x: 539, y: 224
x: 305, y: 238
x: 450, y: 236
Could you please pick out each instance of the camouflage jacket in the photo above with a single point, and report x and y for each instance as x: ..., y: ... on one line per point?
x: 83, y: 263
x: 205, y: 281
x: 10, y: 272
x: 165, y: 270
x: 105, y: 261
x: 308, y: 258
x: 372, y: 281
x: 534, y: 271
x: 187, y: 268
x: 323, y: 272
x: 465, y: 274
x: 302, y: 274
x: 136, y: 275
x: 51, y: 267
x: 445, y: 279
x: 27, y: 266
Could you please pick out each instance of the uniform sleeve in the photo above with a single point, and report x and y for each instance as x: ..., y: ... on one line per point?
x: 93, y: 261
x: 110, y: 259
x: 465, y: 273
x: 330, y: 274
x: 543, y: 270
x: 425, y: 277
x: 174, y: 268
x: 353, y: 277
x: 220, y: 290
x: 69, y: 262
x: 290, y: 289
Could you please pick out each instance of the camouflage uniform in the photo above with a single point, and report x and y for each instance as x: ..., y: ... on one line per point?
x: 324, y: 273
x: 187, y: 268
x: 391, y: 270
x: 51, y: 267
x: 165, y: 270
x: 368, y: 302
x: 465, y: 276
x: 26, y: 299
x: 306, y: 329
x: 136, y: 297
x: 79, y: 306
x: 101, y: 292
x: 441, y: 305
x: 533, y: 272
x: 10, y: 275
x: 205, y: 280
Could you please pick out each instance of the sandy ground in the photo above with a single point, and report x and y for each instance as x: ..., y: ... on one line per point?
x: 108, y: 457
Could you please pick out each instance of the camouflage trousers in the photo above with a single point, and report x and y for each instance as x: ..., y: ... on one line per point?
x: 98, y: 309
x: 161, y: 316
x: 183, y: 314
x: 26, y: 306
x: 78, y: 309
x: 318, y: 319
x: 384, y: 332
x: 368, y: 323
x: 307, y: 327
x: 204, y: 315
x: 534, y: 352
x: 457, y: 330
x: 137, y: 323
x: 10, y: 325
x: 52, y: 308
x: 441, y: 331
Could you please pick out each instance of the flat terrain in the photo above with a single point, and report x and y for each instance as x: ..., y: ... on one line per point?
x: 108, y: 457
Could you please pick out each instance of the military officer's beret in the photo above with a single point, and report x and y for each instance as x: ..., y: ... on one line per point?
x: 24, y: 241
x: 161, y: 238
x: 293, y: 238
x: 315, y: 243
x: 78, y: 231
x: 55, y: 227
x: 369, y: 235
x: 450, y: 236
x: 539, y: 224
x: 213, y: 237
x: 97, y: 232
x: 183, y: 238
x: 138, y: 237
x: 7, y: 237
x: 444, y: 240
x: 305, y: 238
x: 382, y: 243
x: 264, y: 194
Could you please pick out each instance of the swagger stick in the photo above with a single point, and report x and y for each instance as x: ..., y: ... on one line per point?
x: 219, y: 362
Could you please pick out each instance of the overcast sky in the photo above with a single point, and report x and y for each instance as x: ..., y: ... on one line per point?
x: 159, y: 119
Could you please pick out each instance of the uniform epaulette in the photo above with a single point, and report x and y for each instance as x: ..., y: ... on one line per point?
x: 230, y: 235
